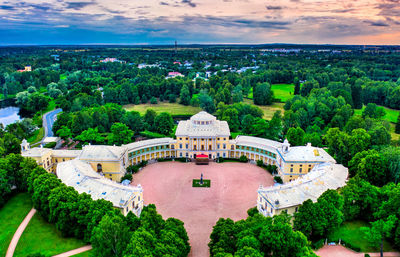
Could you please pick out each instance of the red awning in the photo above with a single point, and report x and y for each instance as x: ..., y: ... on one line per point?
x: 202, y: 156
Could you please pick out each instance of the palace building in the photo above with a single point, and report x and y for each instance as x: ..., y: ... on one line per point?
x: 202, y: 135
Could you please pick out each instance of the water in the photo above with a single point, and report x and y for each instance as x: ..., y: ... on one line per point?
x: 9, y: 115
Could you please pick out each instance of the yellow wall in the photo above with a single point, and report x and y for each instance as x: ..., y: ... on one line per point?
x: 292, y: 171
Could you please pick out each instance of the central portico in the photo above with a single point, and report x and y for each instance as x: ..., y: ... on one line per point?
x: 202, y: 134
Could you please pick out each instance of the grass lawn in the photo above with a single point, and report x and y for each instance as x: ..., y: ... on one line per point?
x: 150, y: 134
x: 268, y: 110
x: 206, y: 183
x: 350, y: 232
x: 391, y: 114
x: 37, y: 136
x: 283, y: 91
x: 41, y: 236
x: 11, y: 215
x: 172, y: 108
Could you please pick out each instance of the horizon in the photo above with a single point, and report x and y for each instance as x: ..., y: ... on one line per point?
x: 60, y: 22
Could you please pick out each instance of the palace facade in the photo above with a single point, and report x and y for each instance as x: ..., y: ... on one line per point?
x: 202, y: 135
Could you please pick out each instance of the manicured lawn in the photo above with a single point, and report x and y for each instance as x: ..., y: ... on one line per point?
x: 11, y: 215
x: 37, y: 136
x: 268, y: 110
x: 235, y: 134
x: 172, y: 108
x: 391, y: 114
x: 206, y: 183
x: 41, y: 236
x: 150, y: 134
x: 350, y: 232
x: 283, y: 91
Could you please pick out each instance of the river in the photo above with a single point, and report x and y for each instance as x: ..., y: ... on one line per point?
x: 9, y: 115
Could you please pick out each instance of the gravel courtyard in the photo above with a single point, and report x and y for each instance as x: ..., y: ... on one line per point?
x: 233, y: 191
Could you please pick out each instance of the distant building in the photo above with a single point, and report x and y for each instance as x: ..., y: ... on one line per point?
x: 144, y: 65
x: 174, y: 74
x: 27, y: 68
x: 112, y: 60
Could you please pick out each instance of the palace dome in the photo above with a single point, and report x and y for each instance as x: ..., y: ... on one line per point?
x: 203, y: 118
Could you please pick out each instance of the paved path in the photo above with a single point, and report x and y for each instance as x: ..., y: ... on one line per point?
x: 340, y: 251
x: 18, y: 233
x: 48, y: 121
x: 75, y: 251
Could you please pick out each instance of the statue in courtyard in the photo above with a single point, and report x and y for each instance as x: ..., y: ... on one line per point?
x: 201, y: 179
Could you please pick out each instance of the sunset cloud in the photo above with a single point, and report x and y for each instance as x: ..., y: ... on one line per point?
x: 195, y: 21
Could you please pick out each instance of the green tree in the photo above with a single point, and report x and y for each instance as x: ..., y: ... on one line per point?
x: 397, y: 128
x: 295, y: 136
x: 111, y: 236
x: 64, y: 132
x: 120, y: 134
x: 231, y: 115
x: 149, y: 118
x: 378, y: 231
x: 164, y: 123
x: 263, y: 94
x: 91, y: 135
x: 296, y: 83
x: 185, y: 95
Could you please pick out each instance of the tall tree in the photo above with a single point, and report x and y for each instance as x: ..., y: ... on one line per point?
x: 263, y: 94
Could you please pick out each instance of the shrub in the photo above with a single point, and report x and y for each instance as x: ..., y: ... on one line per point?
x: 278, y: 179
x: 318, y: 244
x: 50, y: 145
x: 164, y: 159
x: 220, y: 159
x: 350, y: 246
x: 260, y: 163
x: 127, y: 176
x: 252, y: 211
x: 243, y: 158
x: 153, y: 100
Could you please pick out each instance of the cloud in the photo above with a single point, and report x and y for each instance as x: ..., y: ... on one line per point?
x: 7, y: 7
x: 164, y: 3
x: 377, y: 23
x: 189, y: 2
x: 273, y: 7
x: 78, y: 5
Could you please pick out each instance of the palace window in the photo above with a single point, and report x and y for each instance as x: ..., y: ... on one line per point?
x: 187, y: 146
x: 301, y: 170
x: 224, y: 146
x: 194, y: 147
x: 99, y: 168
x: 209, y: 147
x: 223, y: 154
x: 217, y: 146
x: 291, y: 169
x: 180, y: 154
x: 180, y: 146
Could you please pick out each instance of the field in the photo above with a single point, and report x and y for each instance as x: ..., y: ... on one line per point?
x: 391, y: 114
x: 172, y: 108
x: 41, y: 236
x: 11, y: 215
x: 268, y: 110
x: 282, y: 92
x: 350, y: 232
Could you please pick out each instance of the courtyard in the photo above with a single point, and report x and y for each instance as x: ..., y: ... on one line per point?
x: 233, y: 191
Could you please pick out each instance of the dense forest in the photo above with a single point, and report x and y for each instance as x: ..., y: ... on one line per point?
x: 340, y: 98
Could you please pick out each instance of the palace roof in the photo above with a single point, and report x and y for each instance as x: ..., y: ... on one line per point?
x: 80, y: 175
x: 202, y: 124
x: 310, y: 186
x: 258, y: 142
x: 306, y: 153
x: 102, y: 153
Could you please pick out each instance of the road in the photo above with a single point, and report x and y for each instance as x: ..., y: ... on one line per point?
x: 48, y: 121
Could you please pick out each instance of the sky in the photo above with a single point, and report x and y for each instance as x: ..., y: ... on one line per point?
x: 364, y: 22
